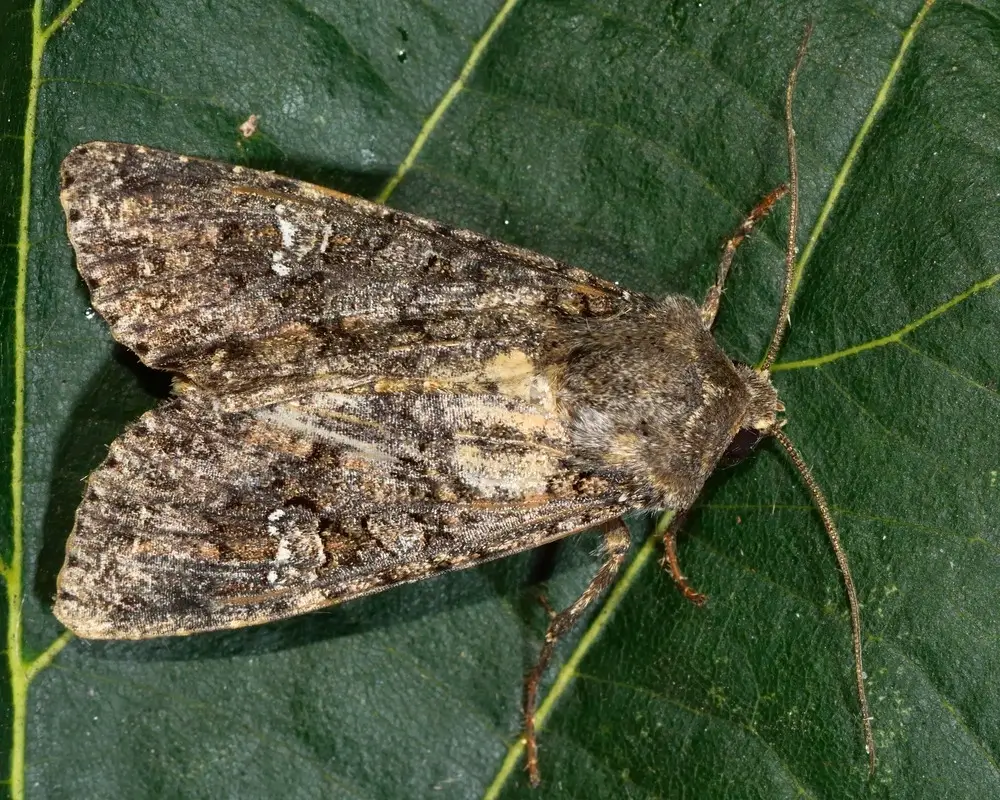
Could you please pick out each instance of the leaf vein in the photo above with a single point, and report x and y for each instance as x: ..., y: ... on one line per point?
x: 949, y: 369
x: 947, y: 706
x: 895, y: 337
x: 47, y: 656
x: 568, y: 670
x: 431, y: 123
x: 166, y: 98
x: 840, y: 181
x: 21, y: 671
x: 890, y: 432
x: 59, y: 20
x: 706, y: 713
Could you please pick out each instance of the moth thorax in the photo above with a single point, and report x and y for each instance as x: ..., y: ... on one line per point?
x: 764, y: 406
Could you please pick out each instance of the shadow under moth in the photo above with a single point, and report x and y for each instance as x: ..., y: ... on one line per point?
x: 365, y: 398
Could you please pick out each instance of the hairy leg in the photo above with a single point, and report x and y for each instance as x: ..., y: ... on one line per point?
x: 672, y: 564
x: 616, y: 544
x: 710, y: 307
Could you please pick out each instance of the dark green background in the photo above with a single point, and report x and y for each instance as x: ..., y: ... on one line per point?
x: 627, y: 137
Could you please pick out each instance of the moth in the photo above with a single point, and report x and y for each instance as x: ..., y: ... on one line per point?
x: 364, y: 398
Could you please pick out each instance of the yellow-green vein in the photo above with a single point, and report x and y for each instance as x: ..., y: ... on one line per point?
x: 21, y: 670
x: 587, y: 641
x: 840, y: 180
x: 59, y: 21
x: 47, y: 656
x: 475, y: 55
x: 893, y: 338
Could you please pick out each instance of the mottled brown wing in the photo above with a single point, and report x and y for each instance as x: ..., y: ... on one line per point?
x: 202, y: 519
x: 289, y: 288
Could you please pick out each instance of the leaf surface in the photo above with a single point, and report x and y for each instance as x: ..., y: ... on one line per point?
x: 629, y: 138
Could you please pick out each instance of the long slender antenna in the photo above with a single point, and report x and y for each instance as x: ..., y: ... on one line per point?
x: 793, y: 214
x: 852, y: 596
x: 772, y: 353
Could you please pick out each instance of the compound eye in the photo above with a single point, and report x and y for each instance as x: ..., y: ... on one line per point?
x: 743, y: 444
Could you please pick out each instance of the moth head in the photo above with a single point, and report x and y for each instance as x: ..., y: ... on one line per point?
x: 761, y: 417
x: 764, y: 406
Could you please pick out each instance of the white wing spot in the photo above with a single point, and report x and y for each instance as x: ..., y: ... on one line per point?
x: 288, y: 230
x: 284, y: 554
x: 277, y: 264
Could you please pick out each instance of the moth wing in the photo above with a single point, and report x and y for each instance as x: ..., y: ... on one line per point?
x: 260, y: 288
x: 202, y: 519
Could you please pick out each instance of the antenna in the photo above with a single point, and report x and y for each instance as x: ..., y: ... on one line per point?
x: 780, y: 329
x: 852, y: 596
x: 793, y: 213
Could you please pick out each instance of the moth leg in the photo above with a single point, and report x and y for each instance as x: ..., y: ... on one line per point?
x: 616, y: 544
x: 710, y: 307
x: 672, y: 564
x: 548, y: 607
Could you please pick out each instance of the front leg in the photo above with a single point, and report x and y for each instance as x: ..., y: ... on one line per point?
x: 710, y: 307
x: 672, y: 564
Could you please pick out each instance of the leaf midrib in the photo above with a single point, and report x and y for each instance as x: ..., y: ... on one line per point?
x: 21, y: 670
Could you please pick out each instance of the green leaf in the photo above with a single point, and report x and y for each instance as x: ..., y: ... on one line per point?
x: 628, y: 137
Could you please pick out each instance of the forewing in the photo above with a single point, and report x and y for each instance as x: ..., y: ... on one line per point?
x: 202, y: 519
x: 260, y: 288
